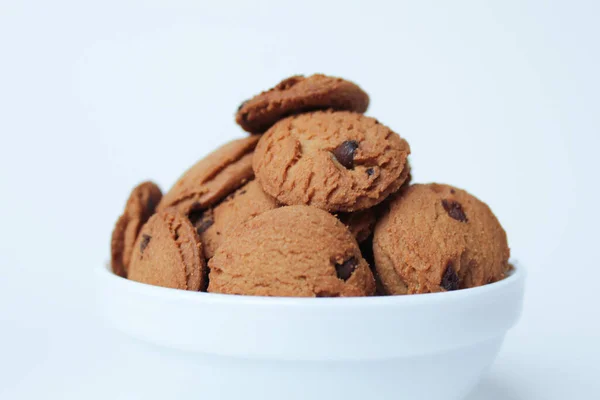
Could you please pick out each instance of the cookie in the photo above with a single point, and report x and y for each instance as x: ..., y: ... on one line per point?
x: 438, y: 238
x: 216, y: 224
x: 299, y: 94
x: 139, y: 207
x: 168, y: 253
x: 338, y: 161
x: 212, y: 178
x: 296, y: 251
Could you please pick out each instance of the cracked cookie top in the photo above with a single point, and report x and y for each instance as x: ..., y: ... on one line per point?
x: 438, y: 238
x: 168, y: 253
x: 295, y: 251
x: 212, y: 178
x: 299, y: 94
x: 334, y: 160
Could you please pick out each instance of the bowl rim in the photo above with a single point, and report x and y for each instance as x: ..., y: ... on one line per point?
x: 515, y: 276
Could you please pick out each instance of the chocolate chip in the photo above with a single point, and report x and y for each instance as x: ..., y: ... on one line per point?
x: 144, y: 242
x: 454, y: 210
x: 345, y: 153
x: 204, y: 223
x: 344, y: 270
x: 452, y: 191
x: 195, y: 215
x: 370, y: 171
x: 450, y: 280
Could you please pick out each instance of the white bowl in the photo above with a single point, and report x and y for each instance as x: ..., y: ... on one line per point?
x: 211, y: 346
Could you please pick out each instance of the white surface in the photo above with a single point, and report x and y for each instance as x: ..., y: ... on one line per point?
x: 310, y: 329
x: 500, y: 98
x: 299, y: 349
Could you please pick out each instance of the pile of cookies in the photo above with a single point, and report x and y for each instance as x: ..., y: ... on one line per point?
x: 315, y: 202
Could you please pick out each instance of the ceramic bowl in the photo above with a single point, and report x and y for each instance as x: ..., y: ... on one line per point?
x: 210, y: 346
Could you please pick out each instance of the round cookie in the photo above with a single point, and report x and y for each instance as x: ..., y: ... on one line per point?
x: 295, y: 251
x: 212, y: 178
x: 216, y: 224
x: 168, y: 253
x: 333, y: 160
x: 300, y: 94
x: 437, y: 238
x: 139, y: 207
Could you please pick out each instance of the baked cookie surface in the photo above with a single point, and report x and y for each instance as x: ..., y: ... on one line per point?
x: 138, y: 209
x: 338, y: 161
x: 438, y: 238
x: 295, y: 251
x: 300, y: 94
x: 216, y: 224
x: 168, y: 253
x: 212, y: 178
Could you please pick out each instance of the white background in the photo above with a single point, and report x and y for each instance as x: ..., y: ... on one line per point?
x: 501, y: 98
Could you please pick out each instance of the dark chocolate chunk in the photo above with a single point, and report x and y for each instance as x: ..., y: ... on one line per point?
x: 345, y: 153
x: 144, y: 242
x: 450, y: 280
x: 370, y: 171
x: 454, y: 210
x: 345, y: 269
x: 204, y: 223
x: 452, y: 191
x: 195, y: 215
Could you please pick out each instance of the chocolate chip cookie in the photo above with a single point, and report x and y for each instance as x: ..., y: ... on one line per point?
x: 299, y: 94
x: 294, y: 251
x: 139, y: 207
x: 338, y: 161
x: 168, y: 253
x: 438, y: 238
x: 216, y: 224
x: 212, y: 178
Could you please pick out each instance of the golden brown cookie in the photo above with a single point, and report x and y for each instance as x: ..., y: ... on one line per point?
x: 216, y: 224
x: 212, y: 178
x: 336, y: 161
x: 300, y: 94
x: 436, y: 238
x: 295, y: 251
x: 139, y: 207
x: 168, y: 253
